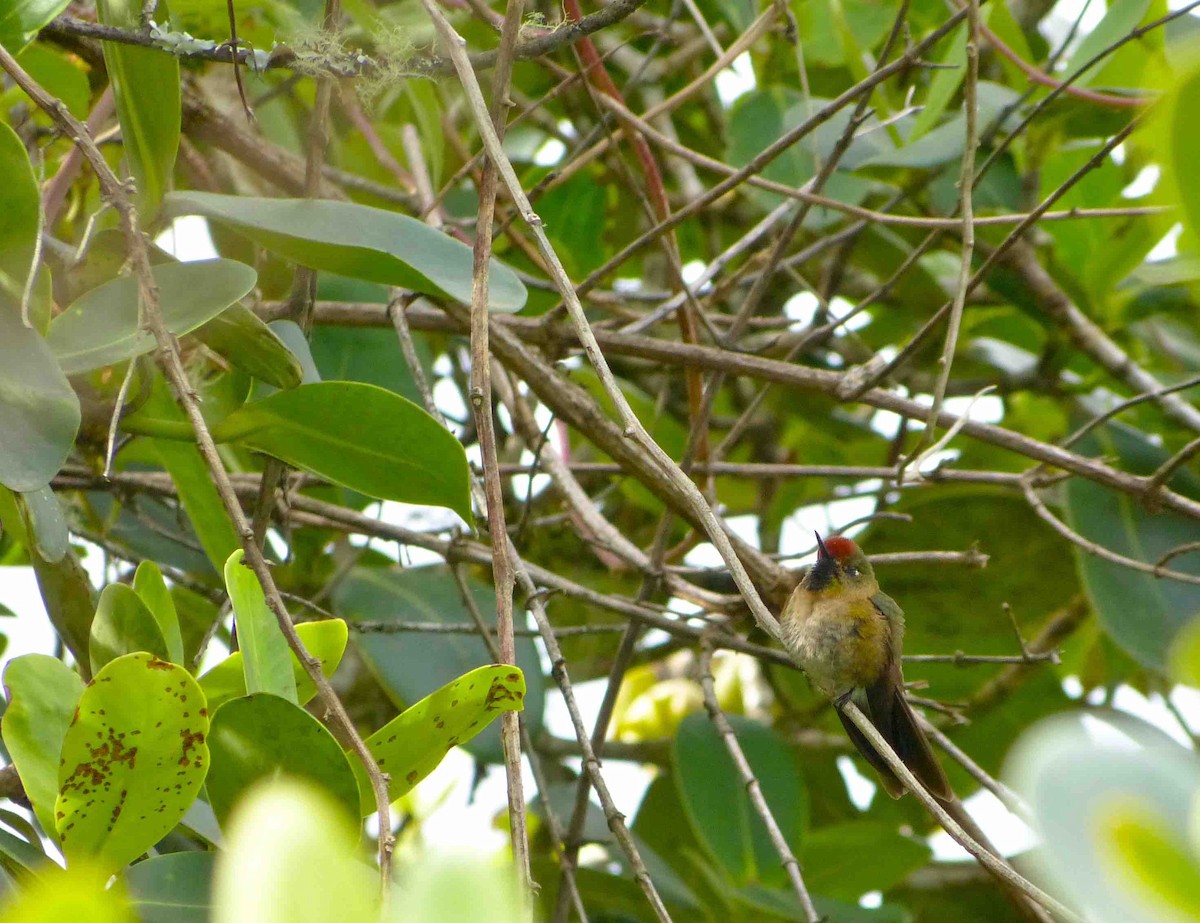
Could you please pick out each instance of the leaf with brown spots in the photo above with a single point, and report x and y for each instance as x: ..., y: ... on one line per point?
x: 410, y: 746
x: 133, y: 760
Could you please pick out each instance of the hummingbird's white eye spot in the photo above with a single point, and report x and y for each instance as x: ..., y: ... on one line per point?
x: 852, y: 571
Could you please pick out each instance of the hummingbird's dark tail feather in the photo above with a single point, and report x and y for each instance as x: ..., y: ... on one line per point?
x: 890, y: 712
x: 891, y: 784
x: 909, y: 741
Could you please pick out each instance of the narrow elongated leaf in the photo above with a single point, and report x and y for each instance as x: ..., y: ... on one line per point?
x: 150, y: 587
x: 1180, y: 133
x: 19, y: 192
x: 132, y: 761
x: 41, y: 692
x: 359, y: 436
x: 944, y: 83
x: 146, y: 85
x: 175, y: 888
x: 197, y: 492
x: 66, y: 590
x: 266, y: 659
x: 44, y: 519
x: 101, y: 327
x: 20, y: 20
x: 1118, y: 21
x: 411, y: 745
x: 123, y: 625
x: 357, y: 241
x: 261, y: 736
x: 70, y: 603
x: 39, y: 413
x: 324, y: 640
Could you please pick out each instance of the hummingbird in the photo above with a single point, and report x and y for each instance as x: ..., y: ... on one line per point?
x: 847, y: 635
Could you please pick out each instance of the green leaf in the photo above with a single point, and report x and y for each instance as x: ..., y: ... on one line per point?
x: 266, y: 658
x: 833, y: 859
x: 39, y: 413
x: 357, y: 241
x: 133, y: 760
x: 359, y: 436
x: 41, y: 692
x: 411, y: 745
x: 718, y: 808
x: 20, y: 858
x: 407, y: 671
x: 1156, y: 862
x: 1118, y: 22
x: 174, y: 888
x: 187, y: 468
x: 21, y: 20
x: 44, y: 519
x: 290, y: 856
x: 123, y: 625
x: 1132, y: 788
x: 324, y: 640
x: 149, y: 585
x: 944, y: 84
x: 262, y: 736
x: 60, y: 73
x: 238, y: 334
x: 146, y: 85
x: 78, y: 893
x: 19, y: 199
x: 101, y: 327
x: 1139, y: 611
x: 1180, y: 132
x: 292, y: 337
x: 1184, y: 656
x: 70, y: 603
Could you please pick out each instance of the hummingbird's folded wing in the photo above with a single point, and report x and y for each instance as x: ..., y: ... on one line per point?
x: 891, y: 713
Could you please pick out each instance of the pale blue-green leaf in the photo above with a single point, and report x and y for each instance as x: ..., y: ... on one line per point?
x: 357, y: 241
x: 101, y: 327
x: 47, y: 525
x: 42, y: 692
x: 172, y: 888
x: 39, y: 412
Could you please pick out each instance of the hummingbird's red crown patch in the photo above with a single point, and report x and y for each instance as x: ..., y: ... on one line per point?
x: 840, y: 548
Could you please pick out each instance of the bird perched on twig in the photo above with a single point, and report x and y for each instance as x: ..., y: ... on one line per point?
x: 847, y: 635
